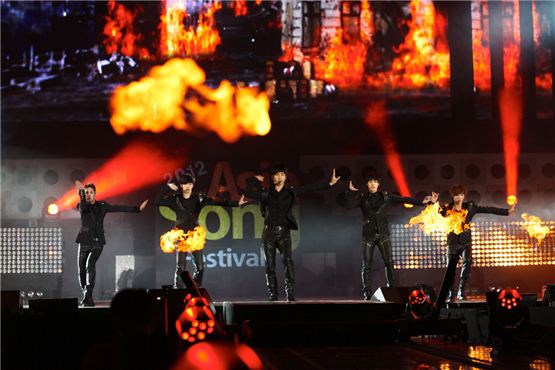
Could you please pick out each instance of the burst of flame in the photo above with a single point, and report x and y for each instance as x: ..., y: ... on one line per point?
x: 422, y: 61
x: 177, y: 239
x: 366, y: 24
x: 534, y: 228
x: 119, y: 33
x: 156, y: 103
x: 430, y: 220
x: 240, y: 7
x: 290, y: 52
x: 178, y: 40
x: 342, y: 63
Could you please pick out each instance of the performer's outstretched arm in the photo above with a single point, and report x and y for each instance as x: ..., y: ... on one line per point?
x: 495, y: 210
x: 254, y: 188
x: 208, y: 201
x: 406, y: 200
x: 119, y: 208
x: 322, y: 185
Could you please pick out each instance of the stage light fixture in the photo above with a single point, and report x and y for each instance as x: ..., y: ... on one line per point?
x: 53, y: 209
x: 418, y: 304
x: 31, y: 250
x: 196, y: 321
x: 508, y: 318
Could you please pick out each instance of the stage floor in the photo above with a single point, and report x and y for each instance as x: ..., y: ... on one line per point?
x: 420, y: 353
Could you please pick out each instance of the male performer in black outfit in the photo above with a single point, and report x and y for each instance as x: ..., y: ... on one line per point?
x: 461, y: 244
x: 375, y: 229
x: 187, y: 206
x: 91, y: 235
x: 276, y: 205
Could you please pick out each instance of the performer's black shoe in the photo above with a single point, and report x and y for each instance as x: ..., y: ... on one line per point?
x: 290, y: 298
x: 273, y: 298
x: 87, y: 302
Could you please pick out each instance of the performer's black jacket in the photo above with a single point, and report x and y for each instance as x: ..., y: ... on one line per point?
x: 254, y: 190
x: 187, y: 210
x: 373, y: 207
x: 92, y: 219
x: 465, y: 237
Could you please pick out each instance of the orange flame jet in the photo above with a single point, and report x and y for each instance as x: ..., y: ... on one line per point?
x: 156, y: 103
x: 177, y: 239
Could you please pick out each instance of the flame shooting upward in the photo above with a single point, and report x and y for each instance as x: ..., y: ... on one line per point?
x: 534, y: 228
x: 156, y: 103
x: 431, y: 221
x: 119, y: 32
x: 180, y: 40
x: 177, y: 239
x: 510, y: 108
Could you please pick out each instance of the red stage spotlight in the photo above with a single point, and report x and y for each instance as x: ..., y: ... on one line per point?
x: 510, y: 108
x: 377, y: 119
x: 135, y: 166
x: 219, y: 356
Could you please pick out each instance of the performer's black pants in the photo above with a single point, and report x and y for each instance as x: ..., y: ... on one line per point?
x: 278, y: 238
x: 454, y: 253
x: 384, y: 246
x: 181, y: 264
x: 88, y: 255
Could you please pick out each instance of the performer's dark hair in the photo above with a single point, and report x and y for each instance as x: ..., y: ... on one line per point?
x: 279, y: 168
x: 457, y: 189
x: 372, y: 176
x: 186, y: 178
x: 91, y: 185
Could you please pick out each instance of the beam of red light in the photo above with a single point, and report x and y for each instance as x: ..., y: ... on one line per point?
x: 377, y: 119
x: 134, y: 167
x: 510, y: 108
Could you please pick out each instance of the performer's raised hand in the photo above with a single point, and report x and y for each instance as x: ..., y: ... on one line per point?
x: 334, y: 179
x: 512, y: 208
x: 352, y: 187
x: 143, y: 205
x: 79, y: 185
x: 242, y: 200
x: 172, y: 186
x: 431, y: 198
x: 259, y: 178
